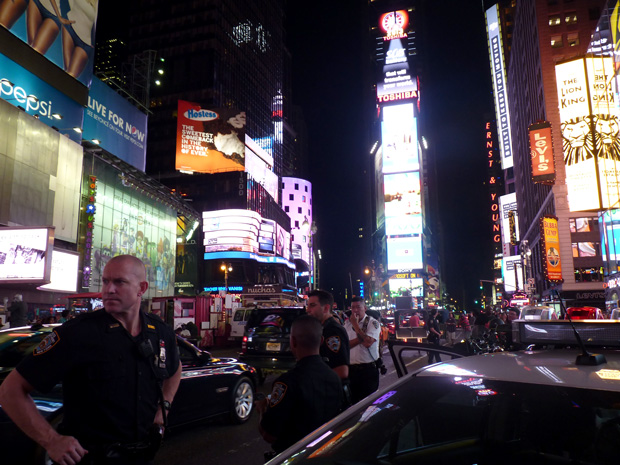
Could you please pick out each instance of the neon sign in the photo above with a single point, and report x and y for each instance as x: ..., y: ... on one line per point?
x: 90, y: 221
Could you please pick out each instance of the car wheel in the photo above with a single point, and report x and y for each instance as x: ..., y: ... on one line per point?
x: 242, y: 401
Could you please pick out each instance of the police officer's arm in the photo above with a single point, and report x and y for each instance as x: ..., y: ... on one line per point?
x: 169, y: 388
x: 19, y: 406
x: 363, y: 338
x: 342, y: 371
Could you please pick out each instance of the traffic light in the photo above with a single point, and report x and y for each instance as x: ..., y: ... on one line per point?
x: 481, y: 285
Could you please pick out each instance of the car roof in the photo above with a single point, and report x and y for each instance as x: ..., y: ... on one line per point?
x: 547, y: 367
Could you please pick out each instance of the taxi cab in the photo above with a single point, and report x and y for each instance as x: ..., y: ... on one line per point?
x: 533, y: 406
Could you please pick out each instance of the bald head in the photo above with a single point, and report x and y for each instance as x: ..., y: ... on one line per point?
x: 131, y: 264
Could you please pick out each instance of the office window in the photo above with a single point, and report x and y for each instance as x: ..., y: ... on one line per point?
x: 296, y: 187
x: 579, y: 225
x: 303, y: 198
x: 291, y: 196
x: 298, y: 209
x: 572, y: 39
x: 282, y: 185
x: 555, y: 20
x: 286, y: 209
x: 556, y: 42
x: 306, y: 188
x: 571, y: 18
x: 297, y: 224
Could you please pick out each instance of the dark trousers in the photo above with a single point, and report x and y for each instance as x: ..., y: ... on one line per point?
x: 364, y: 379
x: 432, y: 355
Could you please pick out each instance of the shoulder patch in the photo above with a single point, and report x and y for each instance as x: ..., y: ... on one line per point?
x: 333, y: 343
x: 277, y: 394
x: 47, y: 343
x: 375, y: 323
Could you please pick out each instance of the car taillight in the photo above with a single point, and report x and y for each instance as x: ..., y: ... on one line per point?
x: 244, y: 344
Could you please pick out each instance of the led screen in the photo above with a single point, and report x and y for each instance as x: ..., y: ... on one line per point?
x: 413, y: 287
x: 507, y: 204
x: 64, y: 273
x: 404, y: 253
x: 400, y: 139
x: 498, y: 74
x: 231, y: 230
x: 403, y: 204
x: 25, y: 254
x: 512, y: 273
x: 209, y: 140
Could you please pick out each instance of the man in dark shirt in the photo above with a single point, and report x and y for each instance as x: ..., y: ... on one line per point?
x: 18, y: 312
x: 305, y: 397
x: 335, y: 347
x: 119, y: 368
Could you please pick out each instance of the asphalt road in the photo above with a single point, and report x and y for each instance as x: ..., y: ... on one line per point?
x: 224, y: 444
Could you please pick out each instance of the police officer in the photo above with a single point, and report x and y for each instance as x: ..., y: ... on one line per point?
x: 305, y: 397
x: 335, y: 347
x: 363, y: 332
x: 119, y: 368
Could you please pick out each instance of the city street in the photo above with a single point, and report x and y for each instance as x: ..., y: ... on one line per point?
x: 225, y: 444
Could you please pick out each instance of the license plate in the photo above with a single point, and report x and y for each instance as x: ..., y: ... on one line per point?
x: 273, y: 346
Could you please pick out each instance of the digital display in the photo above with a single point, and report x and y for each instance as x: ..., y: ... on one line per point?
x: 400, y: 139
x: 507, y: 204
x: 210, y: 140
x: 404, y: 253
x: 25, y: 254
x: 551, y: 245
x: 413, y: 287
x: 64, y: 273
x: 512, y: 272
x: 498, y: 73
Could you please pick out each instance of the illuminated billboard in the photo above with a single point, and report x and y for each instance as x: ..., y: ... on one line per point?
x: 397, y: 81
x: 209, y: 140
x: 399, y: 135
x: 404, y: 253
x: 589, y: 138
x: 413, y: 287
x: 541, y: 152
x: 403, y: 203
x: 500, y: 91
x: 552, y: 265
x: 25, y: 255
x: 64, y: 275
x: 507, y: 204
x: 61, y: 31
x: 512, y: 273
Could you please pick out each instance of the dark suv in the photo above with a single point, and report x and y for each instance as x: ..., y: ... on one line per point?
x: 265, y: 343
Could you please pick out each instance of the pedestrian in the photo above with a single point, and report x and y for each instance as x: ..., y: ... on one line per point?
x: 335, y: 347
x: 434, y: 336
x: 363, y: 332
x: 414, y: 320
x: 305, y: 397
x: 480, y: 323
x: 450, y: 329
x: 18, y: 312
x: 119, y: 369
x: 64, y: 315
x: 464, y: 322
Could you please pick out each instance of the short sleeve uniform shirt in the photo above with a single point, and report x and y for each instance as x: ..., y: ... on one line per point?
x: 335, y: 347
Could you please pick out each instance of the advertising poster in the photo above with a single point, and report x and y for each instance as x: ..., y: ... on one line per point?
x: 25, y: 254
x: 399, y: 135
x: 63, y: 31
x: 232, y: 229
x: 404, y: 253
x: 512, y: 274
x: 403, y: 204
x: 209, y: 140
x: 403, y: 287
x: 64, y: 275
x: 551, y: 245
x: 507, y: 204
x: 541, y: 153
x: 498, y: 74
x: 119, y: 126
x: 50, y: 104
x: 577, y: 141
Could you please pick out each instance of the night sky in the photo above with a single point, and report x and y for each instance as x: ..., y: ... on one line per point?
x: 455, y: 93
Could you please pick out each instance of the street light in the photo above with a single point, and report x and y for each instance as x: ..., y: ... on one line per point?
x: 226, y: 268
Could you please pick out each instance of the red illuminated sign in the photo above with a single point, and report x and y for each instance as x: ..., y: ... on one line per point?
x: 495, y: 217
x: 541, y: 152
x: 397, y: 96
x: 394, y: 23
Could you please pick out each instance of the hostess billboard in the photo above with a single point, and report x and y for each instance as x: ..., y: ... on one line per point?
x: 63, y: 31
x: 23, y: 89
x: 498, y: 73
x: 209, y: 140
x: 118, y: 126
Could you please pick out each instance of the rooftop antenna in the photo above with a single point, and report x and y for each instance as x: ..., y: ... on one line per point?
x: 585, y: 358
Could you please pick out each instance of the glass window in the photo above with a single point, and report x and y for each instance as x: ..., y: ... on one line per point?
x: 296, y: 187
x: 588, y: 249
x: 555, y: 20
x: 582, y: 225
x: 556, y: 42
x: 571, y: 18
x: 306, y: 188
x: 572, y: 39
x: 303, y: 198
x: 291, y: 196
x: 286, y: 209
x: 298, y: 209
x: 297, y: 224
x: 575, y: 249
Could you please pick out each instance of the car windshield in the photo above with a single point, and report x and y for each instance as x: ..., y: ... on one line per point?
x: 15, y: 345
x: 272, y: 322
x: 469, y: 420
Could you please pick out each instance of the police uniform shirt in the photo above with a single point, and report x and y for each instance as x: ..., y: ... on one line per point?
x: 335, y: 347
x: 302, y: 400
x: 359, y: 353
x: 109, y: 388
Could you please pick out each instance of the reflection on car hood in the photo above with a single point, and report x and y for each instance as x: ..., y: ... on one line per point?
x: 535, y: 367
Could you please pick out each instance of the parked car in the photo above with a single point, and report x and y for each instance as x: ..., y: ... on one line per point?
x: 265, y: 345
x: 239, y: 321
x: 210, y: 387
x: 615, y: 314
x: 585, y: 313
x: 540, y: 312
x: 507, y: 408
